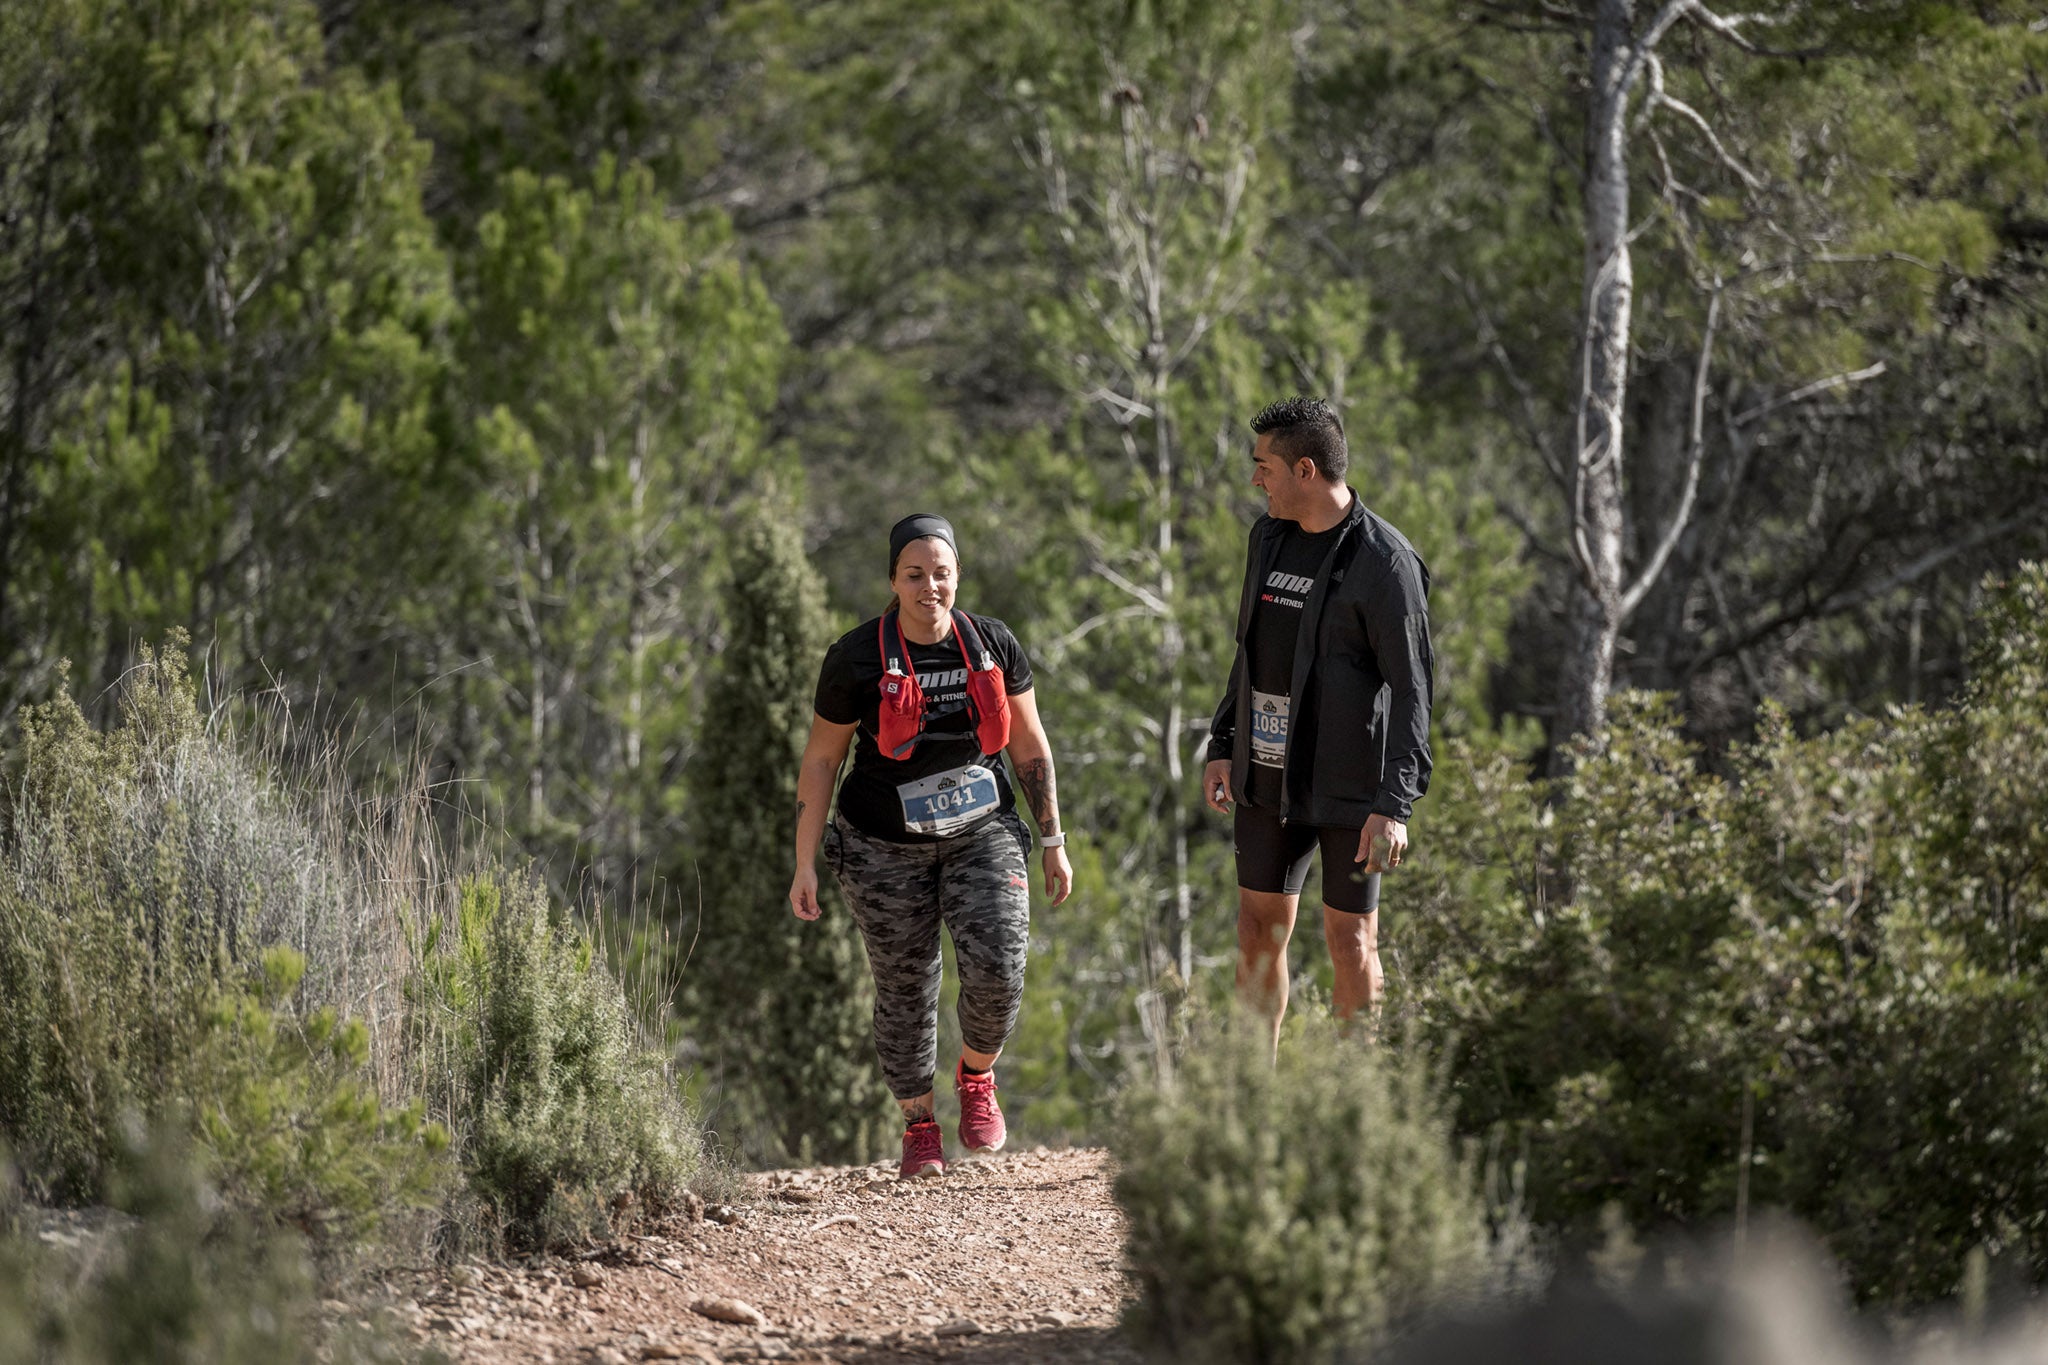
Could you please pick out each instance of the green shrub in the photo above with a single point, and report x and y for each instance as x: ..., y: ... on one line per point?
x: 1290, y: 1212
x: 1818, y: 983
x: 177, y: 1275
x: 562, y: 1105
x: 289, y: 978
x: 285, y: 1107
x: 138, y: 959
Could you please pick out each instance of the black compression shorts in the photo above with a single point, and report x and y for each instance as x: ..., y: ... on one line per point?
x: 1273, y: 857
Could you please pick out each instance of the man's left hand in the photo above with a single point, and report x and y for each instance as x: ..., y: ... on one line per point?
x: 1382, y: 844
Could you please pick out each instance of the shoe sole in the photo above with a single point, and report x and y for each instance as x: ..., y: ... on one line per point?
x: 985, y: 1151
x: 930, y: 1170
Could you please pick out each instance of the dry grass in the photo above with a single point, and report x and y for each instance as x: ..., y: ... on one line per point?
x: 150, y: 865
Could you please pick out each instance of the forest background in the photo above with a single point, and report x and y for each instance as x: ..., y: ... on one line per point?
x: 519, y: 392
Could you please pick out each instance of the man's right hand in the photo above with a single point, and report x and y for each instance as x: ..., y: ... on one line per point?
x: 803, y: 893
x: 1216, y: 786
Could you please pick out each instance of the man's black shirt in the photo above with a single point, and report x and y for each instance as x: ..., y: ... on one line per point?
x: 1360, y: 696
x: 1276, y: 624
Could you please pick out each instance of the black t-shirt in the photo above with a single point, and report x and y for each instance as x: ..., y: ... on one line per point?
x: 947, y: 786
x: 1275, y: 627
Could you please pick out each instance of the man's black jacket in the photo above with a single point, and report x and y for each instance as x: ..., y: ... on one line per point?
x: 1358, y: 744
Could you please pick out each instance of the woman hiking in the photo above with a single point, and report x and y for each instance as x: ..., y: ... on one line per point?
x: 926, y: 832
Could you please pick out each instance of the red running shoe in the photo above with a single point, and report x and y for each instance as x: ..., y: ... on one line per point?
x: 923, y: 1150
x: 981, y: 1119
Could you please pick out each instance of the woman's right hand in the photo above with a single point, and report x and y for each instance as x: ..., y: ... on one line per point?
x: 824, y: 752
x: 803, y: 893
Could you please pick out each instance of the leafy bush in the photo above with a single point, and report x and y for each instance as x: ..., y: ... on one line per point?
x: 1815, y: 983
x: 1285, y: 1212
x: 177, y: 1276
x: 132, y: 925
x: 291, y: 979
x: 564, y: 1109
x: 284, y: 1105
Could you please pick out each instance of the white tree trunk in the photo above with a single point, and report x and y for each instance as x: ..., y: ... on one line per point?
x: 1597, y: 471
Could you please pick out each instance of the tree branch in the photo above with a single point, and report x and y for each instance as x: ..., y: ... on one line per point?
x: 1750, y: 675
x: 1530, y: 535
x: 1056, y: 649
x: 1489, y: 336
x: 1143, y: 594
x: 1840, y: 258
x: 1681, y: 516
x: 1807, y: 391
x: 1557, y: 16
x: 1730, y: 28
x: 1910, y: 572
x: 1640, y: 53
x: 1127, y: 409
x: 1659, y: 99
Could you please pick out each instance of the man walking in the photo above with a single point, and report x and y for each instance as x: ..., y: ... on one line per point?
x: 1322, y: 737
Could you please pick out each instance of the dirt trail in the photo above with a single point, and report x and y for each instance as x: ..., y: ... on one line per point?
x: 1007, y: 1259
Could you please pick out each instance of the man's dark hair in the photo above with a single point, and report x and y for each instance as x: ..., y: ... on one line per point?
x: 1306, y: 429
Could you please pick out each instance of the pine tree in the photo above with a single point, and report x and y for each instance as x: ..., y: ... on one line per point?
x: 223, y: 307
x: 618, y: 356
x: 781, y: 1008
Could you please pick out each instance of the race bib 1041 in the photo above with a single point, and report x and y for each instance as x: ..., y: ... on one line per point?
x: 1269, y: 729
x: 948, y: 802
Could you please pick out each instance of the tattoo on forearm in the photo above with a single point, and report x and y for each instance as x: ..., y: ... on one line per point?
x: 1039, y: 793
x: 800, y: 809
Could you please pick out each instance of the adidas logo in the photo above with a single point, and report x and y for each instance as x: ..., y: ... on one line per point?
x: 1289, y: 582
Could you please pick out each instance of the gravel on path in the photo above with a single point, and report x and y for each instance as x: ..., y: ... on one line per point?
x: 1005, y: 1259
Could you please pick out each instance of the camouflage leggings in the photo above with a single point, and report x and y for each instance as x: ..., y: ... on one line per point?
x: 977, y: 885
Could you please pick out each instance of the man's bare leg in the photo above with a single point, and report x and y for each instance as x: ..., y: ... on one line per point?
x: 1355, y: 954
x: 1265, y: 921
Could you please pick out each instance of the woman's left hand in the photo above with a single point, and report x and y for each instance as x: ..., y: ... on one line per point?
x: 1059, y: 875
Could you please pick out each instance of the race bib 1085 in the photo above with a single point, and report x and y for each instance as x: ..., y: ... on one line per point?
x: 1269, y: 729
x: 947, y: 802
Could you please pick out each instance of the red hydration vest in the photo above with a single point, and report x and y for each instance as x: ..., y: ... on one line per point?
x: 901, y: 723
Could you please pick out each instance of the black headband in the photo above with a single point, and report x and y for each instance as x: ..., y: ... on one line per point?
x: 916, y: 527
